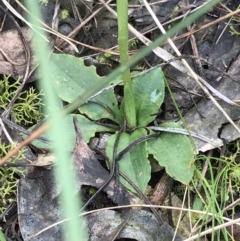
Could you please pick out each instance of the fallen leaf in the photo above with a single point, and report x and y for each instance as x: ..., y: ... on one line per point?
x: 12, y: 54
x: 213, y: 121
x: 90, y: 172
x: 142, y: 226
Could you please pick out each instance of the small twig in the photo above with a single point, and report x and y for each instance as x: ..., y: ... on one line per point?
x: 189, y: 94
x: 31, y: 138
x: 224, y: 29
x: 9, y: 59
x: 6, y: 132
x: 192, y: 57
x: 133, y: 144
x: 8, y: 209
x: 22, y: 130
x: 3, y: 22
x: 183, y: 4
x: 77, y: 15
x: 204, y: 171
x: 184, y: 35
x: 235, y: 203
x: 55, y: 18
x: 186, y: 132
x: 181, y: 213
x: 170, y: 130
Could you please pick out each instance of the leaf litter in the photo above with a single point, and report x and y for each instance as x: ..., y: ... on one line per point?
x: 37, y: 196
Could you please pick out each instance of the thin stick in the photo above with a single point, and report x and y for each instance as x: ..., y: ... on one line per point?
x: 31, y: 138
x: 5, y: 131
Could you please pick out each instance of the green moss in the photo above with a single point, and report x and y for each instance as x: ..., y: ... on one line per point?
x: 104, y: 58
x: 233, y: 30
x: 9, y: 177
x: 133, y: 43
x: 43, y: 1
x: 234, y: 168
x: 27, y: 109
x: 64, y: 14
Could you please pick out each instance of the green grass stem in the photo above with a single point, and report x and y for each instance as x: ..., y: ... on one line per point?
x: 129, y: 105
x: 70, y: 204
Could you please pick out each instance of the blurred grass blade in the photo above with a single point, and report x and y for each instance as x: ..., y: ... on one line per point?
x: 2, y: 237
x: 75, y: 227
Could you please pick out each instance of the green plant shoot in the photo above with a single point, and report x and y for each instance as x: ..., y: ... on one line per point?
x: 128, y: 103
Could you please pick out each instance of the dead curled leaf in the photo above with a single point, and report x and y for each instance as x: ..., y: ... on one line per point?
x: 213, y: 125
x: 142, y: 226
x: 12, y: 54
x: 90, y: 172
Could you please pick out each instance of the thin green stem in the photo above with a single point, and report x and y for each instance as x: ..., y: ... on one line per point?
x: 75, y: 227
x: 180, y: 115
x: 128, y: 103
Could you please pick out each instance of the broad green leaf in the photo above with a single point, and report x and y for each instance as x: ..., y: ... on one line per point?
x: 148, y: 91
x: 87, y: 127
x: 71, y: 78
x: 133, y: 164
x: 2, y: 237
x: 198, y: 204
x: 174, y: 152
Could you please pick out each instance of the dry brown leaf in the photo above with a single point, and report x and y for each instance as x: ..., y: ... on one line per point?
x: 12, y: 54
x: 44, y: 160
